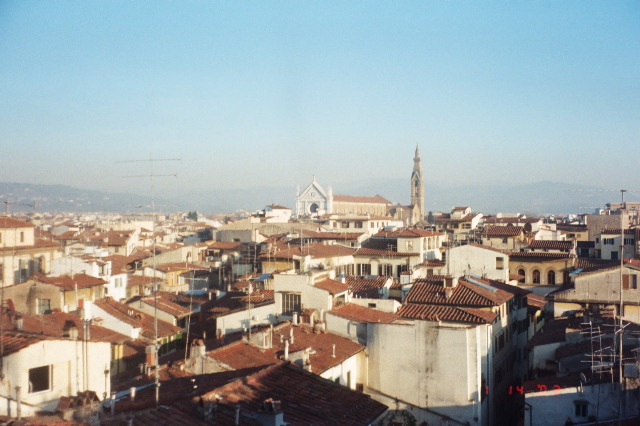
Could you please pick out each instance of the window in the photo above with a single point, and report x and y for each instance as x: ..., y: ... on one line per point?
x: 290, y: 303
x: 523, y: 274
x: 634, y: 282
x: 409, y: 245
x: 40, y: 379
x: 551, y: 277
x: 44, y: 306
x: 499, y: 263
x: 364, y: 269
x: 607, y: 241
x: 344, y: 224
x: 614, y: 255
x: 505, y: 240
x: 582, y: 408
x: 385, y: 270
x: 357, y: 225
x: 536, y: 276
x: 22, y: 236
x: 628, y: 241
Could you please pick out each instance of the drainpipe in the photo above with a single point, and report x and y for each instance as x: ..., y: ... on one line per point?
x: 18, y: 403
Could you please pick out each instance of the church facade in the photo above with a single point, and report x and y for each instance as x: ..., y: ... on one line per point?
x: 315, y: 201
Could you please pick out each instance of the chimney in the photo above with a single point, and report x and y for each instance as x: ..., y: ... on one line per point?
x: 291, y: 335
x: 286, y: 349
x: 150, y: 352
x: 19, y: 323
x: 73, y: 332
x: 333, y: 350
x: 295, y: 318
x: 132, y: 393
x: 447, y: 293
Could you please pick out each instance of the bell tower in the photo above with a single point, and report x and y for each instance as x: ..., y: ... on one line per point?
x: 417, y: 188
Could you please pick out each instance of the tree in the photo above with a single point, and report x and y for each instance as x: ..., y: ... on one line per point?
x: 192, y: 216
x: 430, y: 218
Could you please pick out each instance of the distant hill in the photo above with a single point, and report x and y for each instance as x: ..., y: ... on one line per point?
x: 538, y: 198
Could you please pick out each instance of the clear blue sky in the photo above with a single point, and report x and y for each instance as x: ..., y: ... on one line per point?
x: 269, y: 93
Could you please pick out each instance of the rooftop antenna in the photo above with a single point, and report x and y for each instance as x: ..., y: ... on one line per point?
x: 151, y: 176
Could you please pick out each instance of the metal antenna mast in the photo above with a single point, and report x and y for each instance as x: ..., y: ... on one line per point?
x: 151, y: 175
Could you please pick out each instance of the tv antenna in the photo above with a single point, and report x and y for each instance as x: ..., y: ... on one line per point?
x: 151, y: 175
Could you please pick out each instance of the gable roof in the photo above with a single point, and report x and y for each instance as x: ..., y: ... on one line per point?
x: 332, y: 286
x: 68, y: 282
x: 361, y: 314
x: 446, y: 313
x: 366, y: 287
x: 503, y: 231
x: 376, y: 199
x: 463, y: 294
x: 9, y: 222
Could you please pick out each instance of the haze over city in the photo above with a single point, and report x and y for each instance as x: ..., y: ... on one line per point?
x: 270, y: 93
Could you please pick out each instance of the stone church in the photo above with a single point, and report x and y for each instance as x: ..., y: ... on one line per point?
x: 315, y: 201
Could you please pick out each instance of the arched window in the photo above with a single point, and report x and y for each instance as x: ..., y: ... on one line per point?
x: 536, y: 276
x: 521, y: 272
x: 551, y: 277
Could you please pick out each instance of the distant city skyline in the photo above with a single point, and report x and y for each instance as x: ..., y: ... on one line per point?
x: 272, y: 93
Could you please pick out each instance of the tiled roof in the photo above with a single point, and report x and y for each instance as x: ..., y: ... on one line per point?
x: 332, y: 286
x: 118, y: 263
x: 259, y: 296
x: 316, y: 250
x: 510, y: 220
x: 68, y: 282
x: 332, y: 235
x: 446, y: 313
x: 135, y: 280
x: 166, y: 305
x: 244, y: 355
x: 136, y: 318
x: 14, y: 341
x: 551, y: 245
x: 58, y: 323
x: 482, y: 246
x: 180, y: 266
x: 38, y: 244
x: 366, y: 287
x: 235, y: 302
x: 305, y: 398
x: 539, y: 254
x: 377, y: 199
x: 359, y: 313
x: 278, y: 207
x: 9, y: 222
x: 503, y: 231
x: 408, y: 233
x: 376, y: 252
x: 536, y: 301
x: 224, y: 245
x: 617, y: 232
x: 463, y: 294
x: 446, y: 218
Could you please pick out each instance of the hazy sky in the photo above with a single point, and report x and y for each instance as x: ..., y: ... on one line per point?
x: 269, y: 93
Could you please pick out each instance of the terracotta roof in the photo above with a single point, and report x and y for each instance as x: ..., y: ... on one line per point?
x: 359, y: 313
x: 617, y: 232
x: 118, y: 263
x: 364, y: 251
x: 259, y: 296
x: 137, y: 319
x: 482, y: 246
x: 503, y: 231
x: 539, y: 254
x: 305, y: 398
x: 408, y: 233
x: 366, y: 287
x: 224, y: 245
x: 15, y: 341
x: 446, y: 313
x: 446, y: 218
x: 67, y: 282
x: 9, y: 222
x: 463, y: 294
x: 377, y: 199
x: 235, y: 302
x: 278, y: 207
x: 180, y: 266
x: 510, y: 220
x: 166, y: 305
x: 244, y: 355
x: 135, y: 280
x: 551, y: 245
x: 38, y: 244
x: 332, y: 235
x: 58, y: 323
x: 332, y: 286
x: 316, y: 250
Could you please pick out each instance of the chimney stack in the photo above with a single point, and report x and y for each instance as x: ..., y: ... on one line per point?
x: 132, y: 393
x: 295, y: 318
x: 150, y: 352
x: 291, y: 335
x: 19, y: 323
x: 286, y: 349
x: 333, y: 350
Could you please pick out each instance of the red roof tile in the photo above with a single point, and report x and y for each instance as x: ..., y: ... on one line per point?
x: 9, y: 222
x: 503, y: 231
x: 446, y: 313
x: 359, y: 313
x: 332, y: 286
x: 376, y: 199
x: 366, y: 287
x: 463, y: 294
x: 551, y: 245
x: 68, y: 282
